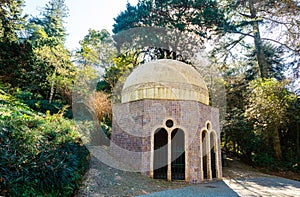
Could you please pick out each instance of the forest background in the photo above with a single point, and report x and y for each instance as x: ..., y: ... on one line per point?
x: 255, y: 54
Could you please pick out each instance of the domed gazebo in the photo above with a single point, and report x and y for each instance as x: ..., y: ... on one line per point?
x: 164, y: 126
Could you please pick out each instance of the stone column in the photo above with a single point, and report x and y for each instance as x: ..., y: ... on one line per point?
x: 209, y: 172
x: 201, y: 158
x: 152, y: 156
x: 169, y: 175
x: 218, y: 158
x: 187, y: 160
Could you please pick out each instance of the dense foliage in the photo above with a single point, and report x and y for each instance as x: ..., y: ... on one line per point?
x: 41, y: 152
x: 40, y: 155
x: 254, y: 47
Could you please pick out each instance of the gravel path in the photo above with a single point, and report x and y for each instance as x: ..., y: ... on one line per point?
x: 259, y: 186
x: 105, y: 179
x: 264, y: 186
x: 205, y: 189
x: 238, y: 180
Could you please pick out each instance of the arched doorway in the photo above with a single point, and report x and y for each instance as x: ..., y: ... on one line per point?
x: 204, y: 138
x: 160, y: 163
x: 177, y: 155
x: 213, y: 153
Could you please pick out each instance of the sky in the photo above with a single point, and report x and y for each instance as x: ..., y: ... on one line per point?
x: 83, y: 15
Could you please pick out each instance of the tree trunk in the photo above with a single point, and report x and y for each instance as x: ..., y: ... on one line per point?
x: 276, y: 144
x: 51, y: 91
x: 52, y: 88
x: 260, y: 56
x: 298, y: 140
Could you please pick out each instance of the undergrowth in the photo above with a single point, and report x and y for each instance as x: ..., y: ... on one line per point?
x: 40, y: 155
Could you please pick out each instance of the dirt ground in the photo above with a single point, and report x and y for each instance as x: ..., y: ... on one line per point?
x: 104, y: 180
x: 238, y: 169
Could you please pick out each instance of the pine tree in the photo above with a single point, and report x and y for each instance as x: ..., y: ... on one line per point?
x: 11, y: 20
x: 53, y: 59
x: 15, y: 52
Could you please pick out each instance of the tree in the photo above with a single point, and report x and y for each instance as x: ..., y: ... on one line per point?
x: 97, y: 49
x: 268, y: 103
x: 168, y: 28
x: 53, y: 19
x: 16, y: 60
x: 16, y: 55
x: 273, y: 21
x: 11, y: 20
x: 60, y: 72
x: 199, y: 16
x: 123, y: 64
x: 53, y: 60
x: 274, y: 59
x: 256, y: 39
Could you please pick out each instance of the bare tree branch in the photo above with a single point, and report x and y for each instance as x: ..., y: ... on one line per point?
x: 276, y: 21
x: 285, y: 45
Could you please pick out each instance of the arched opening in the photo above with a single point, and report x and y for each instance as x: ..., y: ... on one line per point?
x: 177, y: 155
x: 208, y: 126
x: 204, y: 154
x: 160, y: 163
x: 213, y: 152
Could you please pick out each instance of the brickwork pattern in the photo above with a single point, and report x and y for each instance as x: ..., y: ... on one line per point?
x: 134, y: 124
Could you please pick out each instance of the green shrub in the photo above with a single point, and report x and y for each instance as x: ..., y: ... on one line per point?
x: 39, y: 104
x: 39, y: 155
x: 106, y: 126
x: 263, y: 159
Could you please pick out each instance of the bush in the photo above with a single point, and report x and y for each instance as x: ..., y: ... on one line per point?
x: 100, y: 105
x: 39, y: 155
x: 263, y: 159
x: 39, y: 104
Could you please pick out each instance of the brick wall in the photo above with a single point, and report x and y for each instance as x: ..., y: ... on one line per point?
x: 135, y: 122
